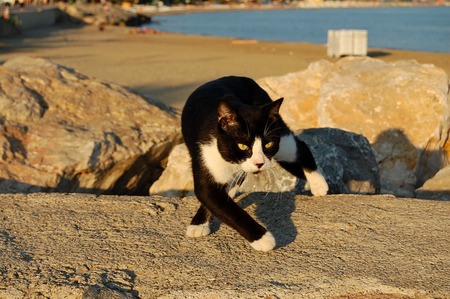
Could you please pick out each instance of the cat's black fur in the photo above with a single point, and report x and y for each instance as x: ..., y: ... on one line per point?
x: 229, y: 124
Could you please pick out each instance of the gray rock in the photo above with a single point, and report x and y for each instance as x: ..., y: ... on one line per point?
x: 437, y: 188
x: 346, y: 160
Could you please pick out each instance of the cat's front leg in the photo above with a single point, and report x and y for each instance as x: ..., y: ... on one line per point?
x: 216, y: 201
x: 265, y: 243
x: 317, y: 183
x: 199, y: 226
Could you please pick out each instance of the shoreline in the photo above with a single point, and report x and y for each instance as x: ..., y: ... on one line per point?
x: 186, y: 8
x: 169, y: 66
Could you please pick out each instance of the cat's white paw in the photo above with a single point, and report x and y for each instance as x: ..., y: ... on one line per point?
x: 266, y: 243
x: 317, y: 183
x: 307, y: 187
x: 195, y: 231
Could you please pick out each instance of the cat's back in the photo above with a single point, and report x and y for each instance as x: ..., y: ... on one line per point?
x: 199, y: 116
x: 243, y: 89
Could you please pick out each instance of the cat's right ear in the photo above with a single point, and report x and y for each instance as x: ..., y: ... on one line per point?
x: 226, y: 116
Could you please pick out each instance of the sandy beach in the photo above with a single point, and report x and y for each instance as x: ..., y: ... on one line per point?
x: 169, y: 67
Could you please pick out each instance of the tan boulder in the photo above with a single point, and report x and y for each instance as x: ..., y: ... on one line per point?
x: 63, y: 131
x: 402, y: 108
x: 176, y: 179
x: 438, y: 187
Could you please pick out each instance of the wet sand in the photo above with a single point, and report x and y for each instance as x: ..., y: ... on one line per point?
x: 170, y: 66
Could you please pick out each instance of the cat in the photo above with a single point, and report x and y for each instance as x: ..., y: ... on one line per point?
x: 232, y: 128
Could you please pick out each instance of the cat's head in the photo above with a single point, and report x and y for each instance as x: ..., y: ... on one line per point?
x: 249, y: 135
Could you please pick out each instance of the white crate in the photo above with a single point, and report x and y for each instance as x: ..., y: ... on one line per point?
x: 347, y: 42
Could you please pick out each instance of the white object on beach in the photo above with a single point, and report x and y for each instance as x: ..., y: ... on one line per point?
x: 347, y: 42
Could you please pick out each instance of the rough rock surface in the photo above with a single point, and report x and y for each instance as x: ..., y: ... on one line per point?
x: 438, y: 187
x: 339, y: 246
x: 402, y: 108
x: 176, y: 179
x: 346, y: 160
x: 63, y: 131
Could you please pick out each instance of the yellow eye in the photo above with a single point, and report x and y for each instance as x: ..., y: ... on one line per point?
x: 268, y: 144
x: 242, y: 147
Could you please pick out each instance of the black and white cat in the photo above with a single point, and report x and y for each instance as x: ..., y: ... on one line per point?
x: 232, y: 128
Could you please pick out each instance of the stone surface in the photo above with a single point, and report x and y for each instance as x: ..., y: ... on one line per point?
x: 345, y: 159
x: 339, y: 246
x: 176, y: 179
x: 402, y: 108
x: 62, y: 131
x: 438, y: 187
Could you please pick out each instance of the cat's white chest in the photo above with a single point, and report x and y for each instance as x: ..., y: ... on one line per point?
x: 221, y: 170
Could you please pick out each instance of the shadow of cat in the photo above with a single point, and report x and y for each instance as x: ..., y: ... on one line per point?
x: 273, y: 211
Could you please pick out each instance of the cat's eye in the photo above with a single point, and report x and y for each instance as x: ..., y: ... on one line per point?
x: 242, y: 147
x: 268, y: 144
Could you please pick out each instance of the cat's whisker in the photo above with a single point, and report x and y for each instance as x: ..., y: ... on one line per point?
x: 275, y: 176
x: 240, y: 181
x: 266, y: 128
x: 248, y: 129
x: 233, y: 181
x: 236, y: 177
x: 273, y: 130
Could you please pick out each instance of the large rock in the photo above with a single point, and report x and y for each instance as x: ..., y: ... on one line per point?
x: 402, y: 108
x: 63, y: 131
x: 345, y: 159
x: 438, y: 187
x: 176, y: 179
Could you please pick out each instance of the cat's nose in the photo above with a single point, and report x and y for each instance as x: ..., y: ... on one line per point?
x: 259, y: 165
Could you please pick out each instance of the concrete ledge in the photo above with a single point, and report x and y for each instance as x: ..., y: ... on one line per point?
x: 84, y: 246
x: 38, y: 18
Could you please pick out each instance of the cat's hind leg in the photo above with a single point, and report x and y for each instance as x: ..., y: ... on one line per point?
x: 199, y: 226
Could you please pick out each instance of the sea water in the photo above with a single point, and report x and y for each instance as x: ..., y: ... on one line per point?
x: 410, y: 28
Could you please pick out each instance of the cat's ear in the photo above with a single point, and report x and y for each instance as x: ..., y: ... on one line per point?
x: 226, y: 115
x: 274, y: 107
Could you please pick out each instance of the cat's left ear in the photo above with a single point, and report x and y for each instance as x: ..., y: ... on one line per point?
x: 274, y: 107
x: 226, y: 115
